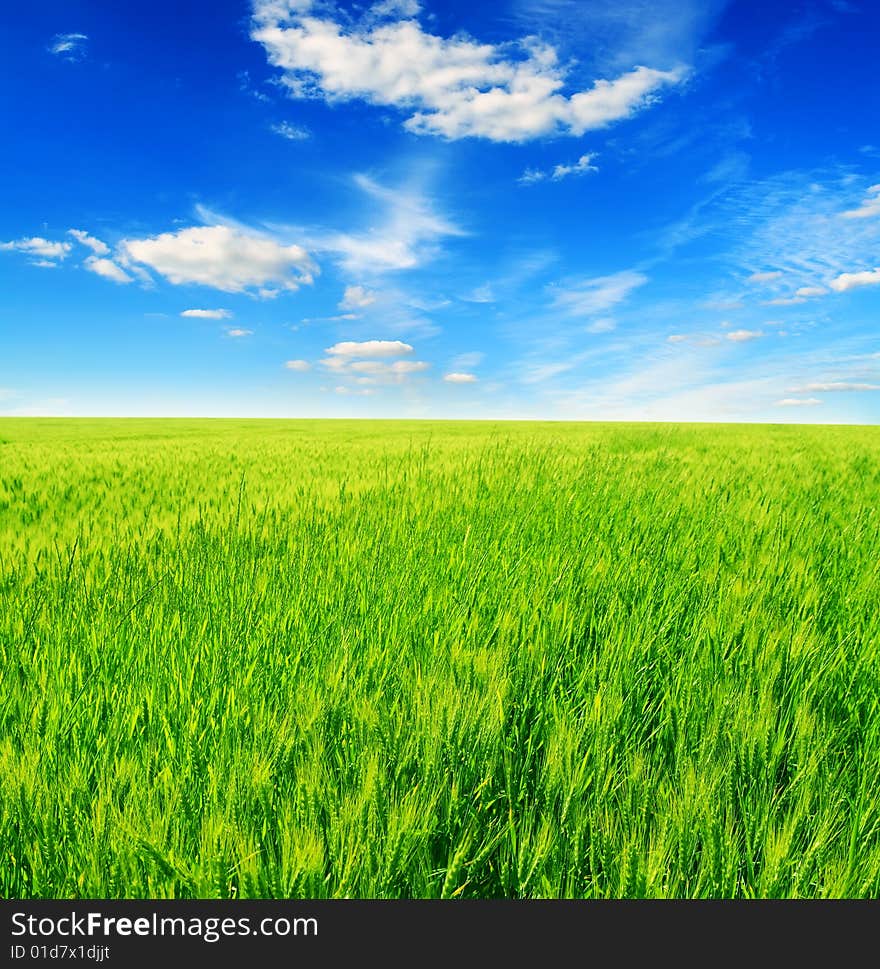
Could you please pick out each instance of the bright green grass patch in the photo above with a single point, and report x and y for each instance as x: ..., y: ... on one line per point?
x: 426, y: 659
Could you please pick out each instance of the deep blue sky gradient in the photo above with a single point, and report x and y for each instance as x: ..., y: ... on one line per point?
x: 162, y: 120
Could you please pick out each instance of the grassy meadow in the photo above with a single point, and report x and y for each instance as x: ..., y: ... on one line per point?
x: 384, y: 659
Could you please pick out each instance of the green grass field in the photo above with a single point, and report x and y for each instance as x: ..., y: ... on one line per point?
x: 373, y: 659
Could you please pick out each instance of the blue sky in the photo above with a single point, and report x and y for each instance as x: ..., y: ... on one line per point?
x: 564, y: 209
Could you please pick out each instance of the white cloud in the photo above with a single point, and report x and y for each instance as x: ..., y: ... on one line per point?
x: 404, y: 237
x: 790, y: 223
x: 605, y: 325
x: 743, y: 336
x: 765, y: 277
x: 589, y: 297
x: 71, y: 47
x: 368, y: 362
x: 291, y: 132
x: 453, y: 87
x: 834, y: 387
x: 846, y: 281
x: 38, y: 248
x: 239, y: 332
x: 460, y: 378
x: 582, y: 166
x: 90, y: 242
x: 807, y: 292
x: 372, y: 349
x: 207, y: 314
x: 869, y: 208
x: 798, y: 402
x: 107, y: 268
x: 225, y: 258
x: 374, y: 371
x: 301, y: 366
x: 356, y: 298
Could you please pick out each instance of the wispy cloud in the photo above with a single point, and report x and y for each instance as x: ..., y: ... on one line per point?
x: 460, y: 378
x: 834, y: 387
x: 593, y: 296
x: 583, y: 166
x: 790, y: 224
x: 467, y: 361
x: 70, y: 47
x: 765, y: 277
x: 98, y: 247
x: 407, y: 233
x: 291, y: 132
x: 612, y: 34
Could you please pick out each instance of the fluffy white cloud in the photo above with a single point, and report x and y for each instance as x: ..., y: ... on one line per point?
x: 90, y: 242
x: 847, y: 281
x: 71, y: 47
x: 743, y: 336
x: 798, y: 402
x: 107, y: 268
x: 460, y: 378
x: 807, y: 292
x: 367, y: 362
x: 581, y: 167
x: 207, y: 314
x: 38, y: 248
x: 301, y: 366
x: 589, y: 297
x: 455, y: 87
x: 229, y: 259
x: 869, y: 208
x: 372, y: 349
x: 291, y: 132
x: 356, y: 298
